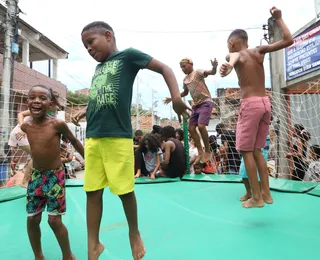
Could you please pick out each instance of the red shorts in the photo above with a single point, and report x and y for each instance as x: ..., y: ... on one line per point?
x: 253, y: 123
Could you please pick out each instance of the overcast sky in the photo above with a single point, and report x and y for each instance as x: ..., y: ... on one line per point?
x: 168, y: 30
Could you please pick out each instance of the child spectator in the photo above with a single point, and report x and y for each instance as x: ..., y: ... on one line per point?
x: 174, y: 163
x: 193, y: 154
x: 313, y: 172
x: 149, y: 156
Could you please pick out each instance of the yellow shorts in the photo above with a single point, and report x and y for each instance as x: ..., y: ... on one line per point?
x: 109, y: 162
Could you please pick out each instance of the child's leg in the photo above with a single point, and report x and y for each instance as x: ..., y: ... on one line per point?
x: 94, y: 215
x: 130, y: 208
x: 243, y: 174
x: 251, y: 168
x: 121, y: 183
x: 248, y: 190
x: 62, y: 236
x: 264, y: 175
x: 196, y: 138
x: 27, y: 173
x: 205, y: 110
x: 34, y: 233
x: 204, y: 135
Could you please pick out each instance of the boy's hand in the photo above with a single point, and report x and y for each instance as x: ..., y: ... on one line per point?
x: 276, y: 13
x: 167, y: 100
x: 78, y: 116
x: 225, y: 69
x: 180, y: 108
x: 214, y: 63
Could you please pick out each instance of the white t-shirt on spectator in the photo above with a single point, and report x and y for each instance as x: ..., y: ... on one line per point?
x: 150, y: 159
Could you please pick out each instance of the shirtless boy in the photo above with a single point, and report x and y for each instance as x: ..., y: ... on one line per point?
x: 255, y: 110
x: 47, y: 184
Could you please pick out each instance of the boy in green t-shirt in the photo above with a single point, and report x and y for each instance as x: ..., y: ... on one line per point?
x: 108, y: 147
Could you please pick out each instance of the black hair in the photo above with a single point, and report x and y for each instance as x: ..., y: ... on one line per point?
x: 298, y: 127
x: 239, y: 33
x: 42, y: 86
x: 220, y: 127
x: 168, y: 132
x: 316, y: 150
x: 153, y: 143
x: 156, y: 129
x: 99, y: 25
x: 138, y: 133
x: 180, y: 132
x: 304, y: 135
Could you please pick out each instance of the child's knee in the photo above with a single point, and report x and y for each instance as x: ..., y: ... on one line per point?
x: 257, y: 153
x: 35, y: 220
x: 54, y: 221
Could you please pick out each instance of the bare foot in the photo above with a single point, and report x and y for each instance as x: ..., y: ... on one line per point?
x: 267, y: 199
x: 206, y: 157
x: 245, y: 197
x: 96, y: 252
x: 251, y: 203
x: 41, y: 257
x: 137, y: 246
x: 72, y: 257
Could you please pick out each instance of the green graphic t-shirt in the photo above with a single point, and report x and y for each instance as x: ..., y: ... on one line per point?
x: 108, y: 112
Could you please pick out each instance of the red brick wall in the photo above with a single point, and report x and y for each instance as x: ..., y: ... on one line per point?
x: 24, y: 78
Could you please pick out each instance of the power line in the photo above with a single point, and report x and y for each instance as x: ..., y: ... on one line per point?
x: 182, y: 32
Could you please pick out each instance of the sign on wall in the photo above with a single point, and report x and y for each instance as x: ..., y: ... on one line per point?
x: 303, y: 56
x: 317, y: 8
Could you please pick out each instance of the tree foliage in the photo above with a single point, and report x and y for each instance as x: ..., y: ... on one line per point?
x: 76, y: 98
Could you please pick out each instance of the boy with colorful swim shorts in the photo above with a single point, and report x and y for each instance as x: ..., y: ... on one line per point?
x: 46, y: 187
x: 255, y: 110
x: 108, y: 146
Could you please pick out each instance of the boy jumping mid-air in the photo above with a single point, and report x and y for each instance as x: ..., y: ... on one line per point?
x: 46, y: 186
x: 202, y: 104
x: 255, y: 110
x: 108, y: 149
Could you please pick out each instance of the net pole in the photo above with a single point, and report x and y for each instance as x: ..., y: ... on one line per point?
x: 186, y: 144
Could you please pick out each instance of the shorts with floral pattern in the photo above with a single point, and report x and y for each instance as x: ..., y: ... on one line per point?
x: 46, y: 188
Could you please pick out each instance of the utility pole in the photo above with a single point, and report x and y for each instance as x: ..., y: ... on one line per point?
x: 137, y: 106
x: 10, y: 47
x: 152, y: 104
x: 279, y: 103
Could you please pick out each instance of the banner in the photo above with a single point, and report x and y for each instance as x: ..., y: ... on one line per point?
x: 317, y: 8
x: 303, y: 56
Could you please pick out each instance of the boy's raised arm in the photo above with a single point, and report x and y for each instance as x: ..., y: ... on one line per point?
x: 287, y: 39
x: 178, y: 105
x: 227, y: 67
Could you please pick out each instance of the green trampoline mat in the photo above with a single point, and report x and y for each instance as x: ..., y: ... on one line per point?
x: 180, y: 220
x: 145, y: 180
x: 79, y: 182
x: 12, y: 193
x: 291, y: 186
x: 212, y: 178
x: 315, y: 191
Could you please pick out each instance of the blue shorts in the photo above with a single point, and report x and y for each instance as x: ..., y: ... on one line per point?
x: 243, y: 173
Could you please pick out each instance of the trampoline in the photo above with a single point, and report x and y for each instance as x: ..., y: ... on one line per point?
x: 188, y: 219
